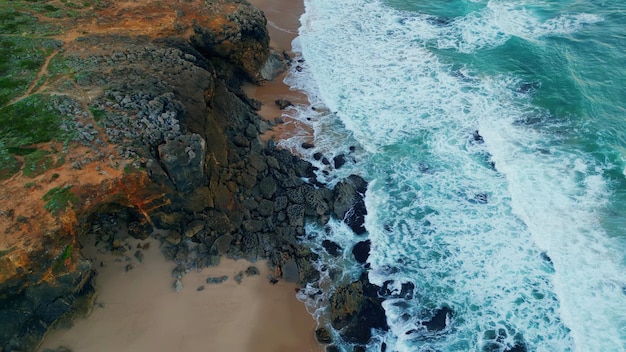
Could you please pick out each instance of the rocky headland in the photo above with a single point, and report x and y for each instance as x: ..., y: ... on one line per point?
x: 147, y: 127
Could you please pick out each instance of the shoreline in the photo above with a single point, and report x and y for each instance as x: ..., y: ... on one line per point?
x: 283, y: 21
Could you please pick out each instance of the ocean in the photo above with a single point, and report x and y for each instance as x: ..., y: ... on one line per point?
x: 493, y: 137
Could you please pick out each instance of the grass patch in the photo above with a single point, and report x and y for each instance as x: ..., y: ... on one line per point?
x: 98, y: 115
x: 29, y: 121
x: 39, y: 162
x: 13, y: 22
x: 20, y: 61
x: 10, y: 167
x: 57, y: 199
x: 4, y: 252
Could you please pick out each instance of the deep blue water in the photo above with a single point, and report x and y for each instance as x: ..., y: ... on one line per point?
x: 493, y: 136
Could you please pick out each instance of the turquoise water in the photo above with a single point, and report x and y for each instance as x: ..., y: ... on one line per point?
x: 493, y: 136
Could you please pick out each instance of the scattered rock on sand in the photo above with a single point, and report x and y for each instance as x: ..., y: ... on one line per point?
x: 239, y: 277
x: 178, y: 285
x: 216, y: 280
x: 283, y: 103
x: 252, y: 270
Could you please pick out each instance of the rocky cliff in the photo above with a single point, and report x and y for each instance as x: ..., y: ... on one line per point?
x: 150, y: 116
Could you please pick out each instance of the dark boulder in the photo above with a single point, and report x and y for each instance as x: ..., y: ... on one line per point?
x: 356, y: 309
x: 332, y: 248
x: 314, y: 200
x: 268, y: 187
x: 477, y: 138
x: 349, y: 203
x: 339, y: 161
x: 183, y: 160
x: 323, y: 336
x: 440, y: 320
x: 283, y: 103
x: 295, y: 214
x: 361, y: 251
x: 242, y: 40
x: 290, y: 271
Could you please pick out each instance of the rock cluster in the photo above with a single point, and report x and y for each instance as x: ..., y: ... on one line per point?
x: 356, y: 310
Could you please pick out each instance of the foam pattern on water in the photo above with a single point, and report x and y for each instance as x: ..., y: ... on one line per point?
x: 501, y: 20
x: 482, y: 211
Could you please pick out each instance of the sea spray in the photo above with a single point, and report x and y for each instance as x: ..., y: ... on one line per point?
x: 482, y: 196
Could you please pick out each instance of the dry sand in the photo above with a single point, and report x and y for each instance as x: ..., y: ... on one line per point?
x: 139, y: 311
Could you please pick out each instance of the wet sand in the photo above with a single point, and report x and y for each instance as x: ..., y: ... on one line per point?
x: 139, y: 311
x: 283, y: 21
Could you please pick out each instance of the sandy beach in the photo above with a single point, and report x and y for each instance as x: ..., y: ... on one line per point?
x: 283, y: 21
x: 139, y: 310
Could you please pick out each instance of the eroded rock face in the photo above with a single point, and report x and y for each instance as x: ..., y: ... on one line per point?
x: 241, y: 38
x: 349, y: 203
x: 31, y: 305
x: 183, y: 160
x: 356, y: 309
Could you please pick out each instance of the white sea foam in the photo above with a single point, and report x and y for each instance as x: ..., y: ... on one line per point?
x: 499, y: 21
x: 519, y: 249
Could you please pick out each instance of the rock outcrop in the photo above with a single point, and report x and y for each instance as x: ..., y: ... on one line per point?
x: 183, y: 161
x: 349, y: 203
x: 241, y: 39
x: 153, y: 113
x: 356, y: 310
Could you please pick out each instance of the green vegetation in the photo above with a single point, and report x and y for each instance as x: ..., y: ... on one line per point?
x: 25, y: 44
x: 98, y: 115
x: 39, y: 162
x: 12, y: 21
x: 59, y: 198
x: 10, y: 165
x: 67, y: 252
x: 4, y: 252
x: 59, y: 262
x: 20, y: 61
x: 29, y: 121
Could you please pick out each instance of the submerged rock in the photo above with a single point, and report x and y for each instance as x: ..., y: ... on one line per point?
x: 283, y: 103
x: 332, y: 248
x: 216, y: 280
x: 323, y: 336
x: 440, y: 320
x: 361, y: 251
x: 349, y: 203
x: 177, y: 285
x: 252, y: 271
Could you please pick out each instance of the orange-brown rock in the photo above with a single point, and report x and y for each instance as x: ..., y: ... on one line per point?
x: 142, y: 73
